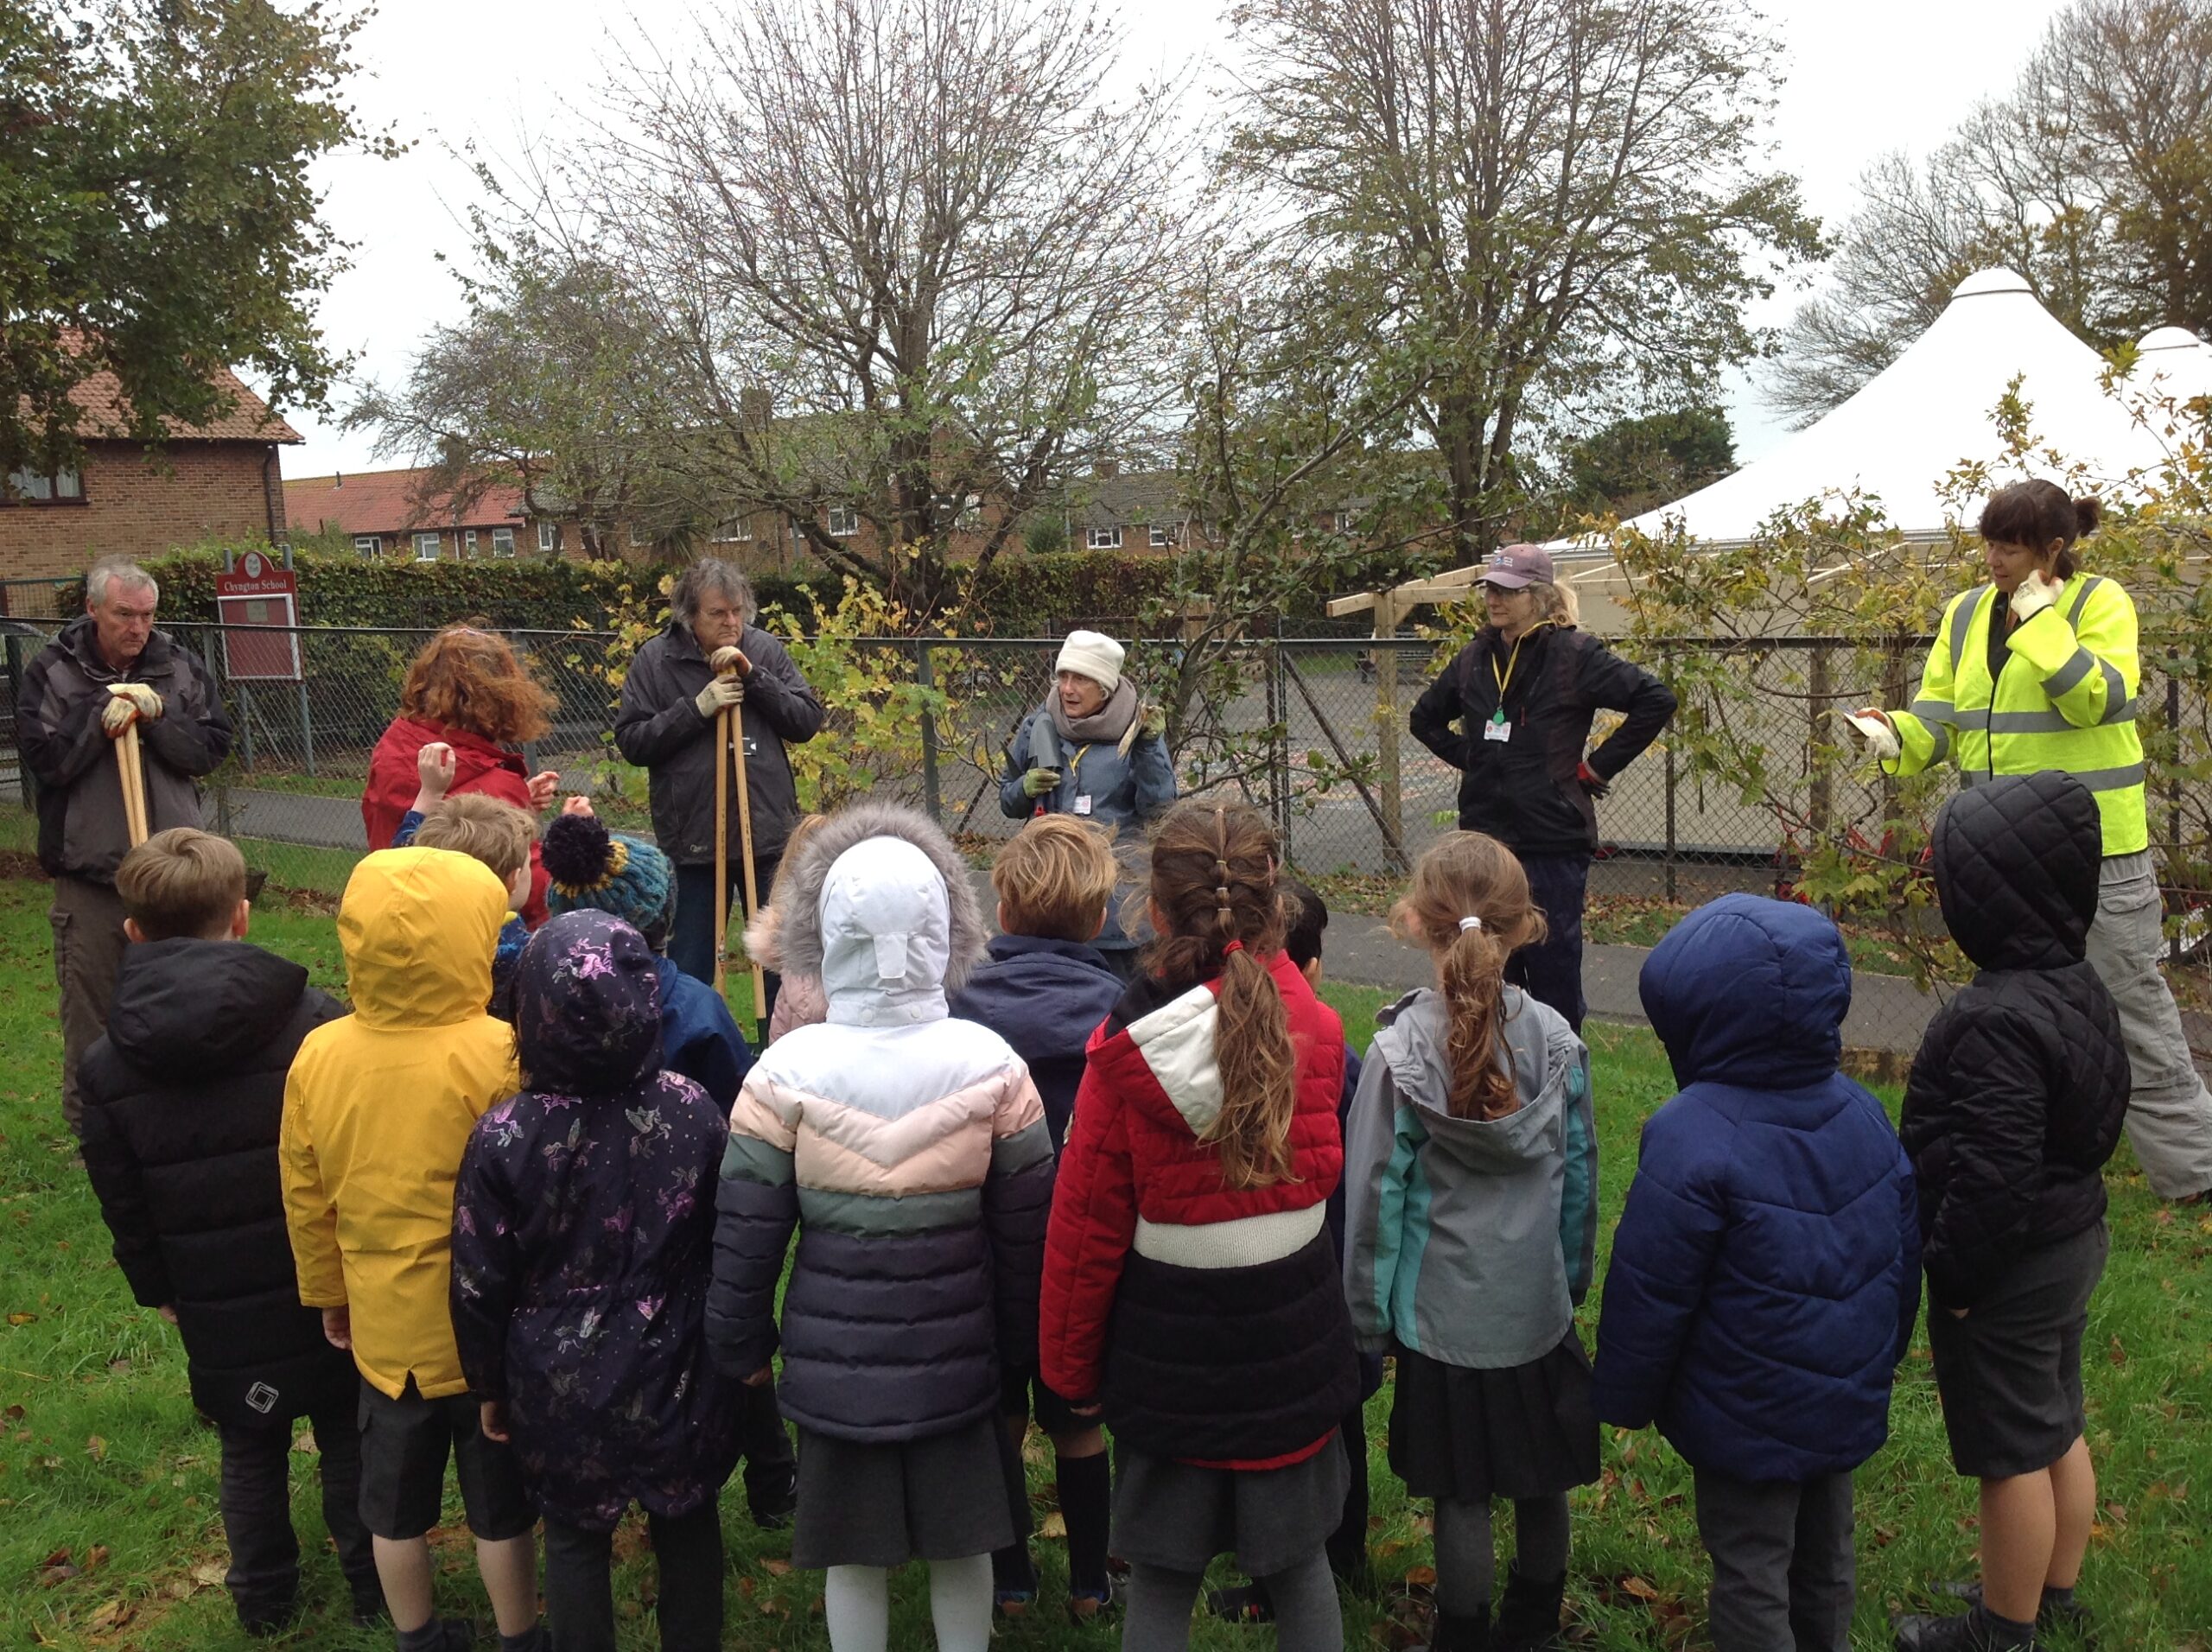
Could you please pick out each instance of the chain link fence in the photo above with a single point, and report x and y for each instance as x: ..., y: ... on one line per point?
x: 1312, y: 731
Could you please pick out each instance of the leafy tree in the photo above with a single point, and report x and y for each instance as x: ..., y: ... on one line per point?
x: 1636, y: 465
x: 157, y: 220
x: 2091, y: 179
x: 1530, y: 206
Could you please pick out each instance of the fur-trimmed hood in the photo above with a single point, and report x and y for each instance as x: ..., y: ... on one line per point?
x: 881, y: 907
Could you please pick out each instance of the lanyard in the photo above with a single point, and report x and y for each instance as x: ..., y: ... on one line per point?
x: 1504, y: 679
x: 1075, y: 763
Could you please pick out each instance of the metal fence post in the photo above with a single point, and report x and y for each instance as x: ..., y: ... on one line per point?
x: 927, y: 679
x: 2173, y: 788
x: 1667, y: 675
x: 1390, y: 779
x: 1819, y: 799
x: 245, y: 725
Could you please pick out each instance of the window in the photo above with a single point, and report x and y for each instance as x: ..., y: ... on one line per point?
x: 28, y: 486
x: 548, y: 537
x: 468, y: 543
x: 1161, y: 538
x: 736, y: 531
x: 426, y: 547
x: 368, y: 544
x: 844, y: 522
x: 1103, y: 538
x: 503, y: 542
x: 970, y: 520
x: 1344, y: 522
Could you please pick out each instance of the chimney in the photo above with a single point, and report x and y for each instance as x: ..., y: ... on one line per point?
x: 338, y: 478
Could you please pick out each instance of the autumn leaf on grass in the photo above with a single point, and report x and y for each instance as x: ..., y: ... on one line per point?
x: 113, y: 1614
x: 1421, y: 1577
x: 1640, y: 1588
x: 2116, y: 1353
x: 96, y: 1448
x: 776, y: 1568
x: 1054, y: 1525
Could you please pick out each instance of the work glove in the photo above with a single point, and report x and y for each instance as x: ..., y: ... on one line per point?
x: 128, y: 702
x: 1873, y: 726
x: 1152, y: 722
x: 2032, y: 595
x: 1593, y: 782
x: 719, y: 695
x: 1038, y: 781
x: 726, y: 659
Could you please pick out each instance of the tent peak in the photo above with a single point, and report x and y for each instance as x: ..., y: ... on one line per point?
x: 2170, y: 338
x: 1985, y: 282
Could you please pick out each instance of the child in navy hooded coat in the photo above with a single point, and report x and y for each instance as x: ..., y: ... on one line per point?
x: 1766, y: 1273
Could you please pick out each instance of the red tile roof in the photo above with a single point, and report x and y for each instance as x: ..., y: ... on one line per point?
x: 391, y: 502
x: 106, y: 412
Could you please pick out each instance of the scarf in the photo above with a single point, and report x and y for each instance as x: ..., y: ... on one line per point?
x: 1104, y: 727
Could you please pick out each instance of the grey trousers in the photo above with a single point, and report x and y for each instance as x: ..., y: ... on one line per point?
x: 88, y: 943
x: 2169, y: 1111
x: 1783, y: 1574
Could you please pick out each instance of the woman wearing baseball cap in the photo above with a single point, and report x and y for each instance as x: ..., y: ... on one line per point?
x: 1093, y: 750
x: 1524, y: 692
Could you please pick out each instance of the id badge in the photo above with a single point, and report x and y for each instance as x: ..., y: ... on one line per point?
x: 1083, y: 805
x: 1497, y: 731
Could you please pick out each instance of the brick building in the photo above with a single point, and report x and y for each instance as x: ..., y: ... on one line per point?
x: 414, y: 514
x: 219, y: 481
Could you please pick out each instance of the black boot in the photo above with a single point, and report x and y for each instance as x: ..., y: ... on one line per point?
x: 1974, y: 1630
x: 1528, y: 1619
x: 2058, y: 1610
x: 1452, y: 1632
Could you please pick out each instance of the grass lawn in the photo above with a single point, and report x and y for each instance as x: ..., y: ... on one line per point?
x: 109, y: 1535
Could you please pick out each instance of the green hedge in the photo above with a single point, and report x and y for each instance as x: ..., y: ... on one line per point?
x: 1022, y: 595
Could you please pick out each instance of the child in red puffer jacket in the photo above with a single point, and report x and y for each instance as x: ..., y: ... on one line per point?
x: 1190, y: 1216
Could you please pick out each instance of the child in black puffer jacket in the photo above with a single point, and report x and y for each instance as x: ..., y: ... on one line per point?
x: 2015, y: 1104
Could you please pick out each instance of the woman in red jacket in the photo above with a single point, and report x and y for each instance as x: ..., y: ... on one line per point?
x: 1189, y: 1220
x: 467, y: 690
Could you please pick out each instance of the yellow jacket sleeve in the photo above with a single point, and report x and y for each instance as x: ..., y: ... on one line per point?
x: 2090, y: 670
x: 1926, y: 728
x: 310, y: 1216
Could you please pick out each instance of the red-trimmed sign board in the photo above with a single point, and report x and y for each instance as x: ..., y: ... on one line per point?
x: 258, y: 592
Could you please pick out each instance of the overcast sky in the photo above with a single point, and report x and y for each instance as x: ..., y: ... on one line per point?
x: 1863, y: 77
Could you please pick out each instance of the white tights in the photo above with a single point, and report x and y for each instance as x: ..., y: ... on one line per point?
x: 856, y: 1601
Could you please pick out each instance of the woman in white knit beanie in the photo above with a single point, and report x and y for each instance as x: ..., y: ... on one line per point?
x: 1095, y: 749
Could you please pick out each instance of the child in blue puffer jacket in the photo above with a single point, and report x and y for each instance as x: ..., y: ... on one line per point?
x: 1766, y: 1273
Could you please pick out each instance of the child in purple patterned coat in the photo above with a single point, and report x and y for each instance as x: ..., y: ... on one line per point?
x: 584, y: 1228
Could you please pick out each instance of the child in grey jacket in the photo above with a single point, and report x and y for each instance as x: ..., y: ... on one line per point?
x: 1471, y: 1169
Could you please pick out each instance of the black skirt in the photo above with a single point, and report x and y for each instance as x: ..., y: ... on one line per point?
x: 1527, y: 1431
x: 943, y: 1498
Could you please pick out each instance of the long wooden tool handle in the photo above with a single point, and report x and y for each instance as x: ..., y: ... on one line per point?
x: 722, y: 842
x: 752, y: 880
x: 131, y: 770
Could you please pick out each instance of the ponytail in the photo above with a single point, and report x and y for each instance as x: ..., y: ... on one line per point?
x: 1469, y: 904
x: 1213, y: 881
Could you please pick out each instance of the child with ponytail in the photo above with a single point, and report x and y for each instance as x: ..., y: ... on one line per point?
x: 1190, y: 1290
x: 1470, y: 1229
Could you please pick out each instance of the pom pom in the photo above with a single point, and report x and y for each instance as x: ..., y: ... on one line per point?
x: 578, y: 851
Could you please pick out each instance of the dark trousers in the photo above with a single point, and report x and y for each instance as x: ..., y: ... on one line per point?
x: 692, y: 940
x: 88, y: 945
x: 1550, y: 971
x: 256, y: 1503
x: 580, y: 1585
x: 1783, y: 1573
x: 1348, y: 1543
x: 770, y: 1463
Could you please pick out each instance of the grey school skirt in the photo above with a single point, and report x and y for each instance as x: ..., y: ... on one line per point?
x: 942, y: 1498
x: 1175, y: 1516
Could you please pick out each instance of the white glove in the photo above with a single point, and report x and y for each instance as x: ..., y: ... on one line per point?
x: 1873, y: 727
x: 2032, y: 595
x: 720, y: 695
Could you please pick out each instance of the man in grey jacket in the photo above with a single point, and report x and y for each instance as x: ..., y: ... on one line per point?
x: 109, y: 668
x: 671, y: 704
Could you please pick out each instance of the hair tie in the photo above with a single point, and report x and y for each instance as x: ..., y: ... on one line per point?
x: 1233, y: 946
x: 1470, y: 921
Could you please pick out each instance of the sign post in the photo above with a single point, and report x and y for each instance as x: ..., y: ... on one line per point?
x: 257, y: 604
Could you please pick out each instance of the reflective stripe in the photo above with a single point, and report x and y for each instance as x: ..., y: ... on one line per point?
x: 1940, y: 734
x: 2109, y: 780
x: 2115, y: 690
x: 2081, y: 600
x: 2028, y: 723
x: 1973, y: 721
x: 2067, y: 676
x: 1963, y: 622
x: 1929, y: 709
x: 2124, y: 712
x: 1972, y: 778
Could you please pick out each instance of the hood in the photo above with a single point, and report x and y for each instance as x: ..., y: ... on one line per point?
x: 1747, y: 990
x: 880, y: 908
x: 81, y: 637
x: 1413, y: 1038
x: 586, y: 1006
x: 185, y: 1008
x: 2017, y: 860
x: 418, y: 928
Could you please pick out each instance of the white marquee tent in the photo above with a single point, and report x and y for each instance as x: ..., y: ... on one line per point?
x: 1930, y: 409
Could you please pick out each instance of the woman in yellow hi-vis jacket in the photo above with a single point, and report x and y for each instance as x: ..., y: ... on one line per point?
x: 2037, y: 670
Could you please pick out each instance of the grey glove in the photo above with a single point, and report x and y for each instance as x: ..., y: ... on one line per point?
x: 1038, y: 781
x: 720, y: 695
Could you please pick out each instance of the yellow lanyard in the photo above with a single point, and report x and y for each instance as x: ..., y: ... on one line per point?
x: 1504, y: 679
x: 1075, y: 763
